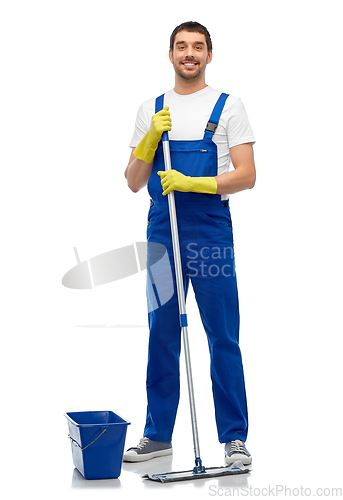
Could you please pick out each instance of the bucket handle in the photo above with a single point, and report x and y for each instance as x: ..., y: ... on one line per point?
x: 75, y: 442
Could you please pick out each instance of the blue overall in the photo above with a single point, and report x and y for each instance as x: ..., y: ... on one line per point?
x: 206, y: 245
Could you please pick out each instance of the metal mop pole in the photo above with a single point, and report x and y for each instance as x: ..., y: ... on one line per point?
x: 182, y: 305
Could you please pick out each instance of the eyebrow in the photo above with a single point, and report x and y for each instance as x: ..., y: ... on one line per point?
x: 195, y: 43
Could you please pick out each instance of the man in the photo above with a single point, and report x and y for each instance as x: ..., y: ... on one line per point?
x: 207, y: 131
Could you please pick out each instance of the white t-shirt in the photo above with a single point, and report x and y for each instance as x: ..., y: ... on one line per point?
x: 190, y: 114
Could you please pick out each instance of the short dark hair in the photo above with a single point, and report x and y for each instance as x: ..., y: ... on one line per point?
x: 192, y: 26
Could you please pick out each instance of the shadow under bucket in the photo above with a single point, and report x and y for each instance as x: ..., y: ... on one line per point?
x: 97, y: 443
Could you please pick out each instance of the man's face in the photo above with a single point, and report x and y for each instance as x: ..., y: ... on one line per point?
x: 189, y: 56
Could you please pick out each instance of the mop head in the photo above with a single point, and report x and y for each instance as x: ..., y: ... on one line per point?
x: 169, y: 477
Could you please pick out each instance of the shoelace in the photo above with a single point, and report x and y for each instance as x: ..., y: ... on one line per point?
x: 237, y: 446
x: 143, y: 442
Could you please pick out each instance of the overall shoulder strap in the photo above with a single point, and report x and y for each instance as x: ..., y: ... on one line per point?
x: 159, y: 103
x: 212, y: 123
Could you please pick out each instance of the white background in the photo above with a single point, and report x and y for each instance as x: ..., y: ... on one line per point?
x: 73, y: 74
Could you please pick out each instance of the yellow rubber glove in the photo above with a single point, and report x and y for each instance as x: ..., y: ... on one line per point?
x: 160, y: 122
x: 172, y: 180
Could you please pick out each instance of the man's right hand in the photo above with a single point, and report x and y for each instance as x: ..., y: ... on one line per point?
x: 160, y: 122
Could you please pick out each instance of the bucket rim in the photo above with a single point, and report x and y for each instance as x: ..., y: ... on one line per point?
x: 101, y: 424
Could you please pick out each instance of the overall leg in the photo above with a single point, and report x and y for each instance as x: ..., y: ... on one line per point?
x: 163, y: 373
x: 215, y: 288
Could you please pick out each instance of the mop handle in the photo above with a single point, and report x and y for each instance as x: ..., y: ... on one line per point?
x: 181, y: 296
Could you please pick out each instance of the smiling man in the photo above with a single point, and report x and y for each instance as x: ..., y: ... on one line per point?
x: 208, y: 131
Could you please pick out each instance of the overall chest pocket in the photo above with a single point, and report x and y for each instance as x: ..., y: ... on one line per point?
x: 200, y: 162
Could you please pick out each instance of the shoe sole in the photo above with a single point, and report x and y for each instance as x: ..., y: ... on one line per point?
x: 242, y: 458
x: 147, y: 456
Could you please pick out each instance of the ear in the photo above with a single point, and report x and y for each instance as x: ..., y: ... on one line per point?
x: 171, y: 56
x: 209, y: 57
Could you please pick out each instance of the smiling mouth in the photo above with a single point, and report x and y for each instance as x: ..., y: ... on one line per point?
x: 189, y: 64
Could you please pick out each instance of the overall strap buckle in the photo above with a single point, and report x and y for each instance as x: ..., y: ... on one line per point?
x: 212, y: 123
x: 211, y: 127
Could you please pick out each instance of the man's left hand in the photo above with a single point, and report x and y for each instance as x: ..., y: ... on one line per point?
x: 172, y: 180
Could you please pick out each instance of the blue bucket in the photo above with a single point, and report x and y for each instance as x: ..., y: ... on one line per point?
x: 97, y: 443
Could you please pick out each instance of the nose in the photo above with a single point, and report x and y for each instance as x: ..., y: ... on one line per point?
x: 189, y: 51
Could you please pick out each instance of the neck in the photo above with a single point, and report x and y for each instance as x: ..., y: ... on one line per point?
x: 184, y: 87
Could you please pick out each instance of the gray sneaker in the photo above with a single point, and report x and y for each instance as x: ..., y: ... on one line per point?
x: 236, y: 450
x: 147, y: 449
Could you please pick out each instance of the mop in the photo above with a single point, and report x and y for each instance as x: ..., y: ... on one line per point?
x: 199, y: 471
